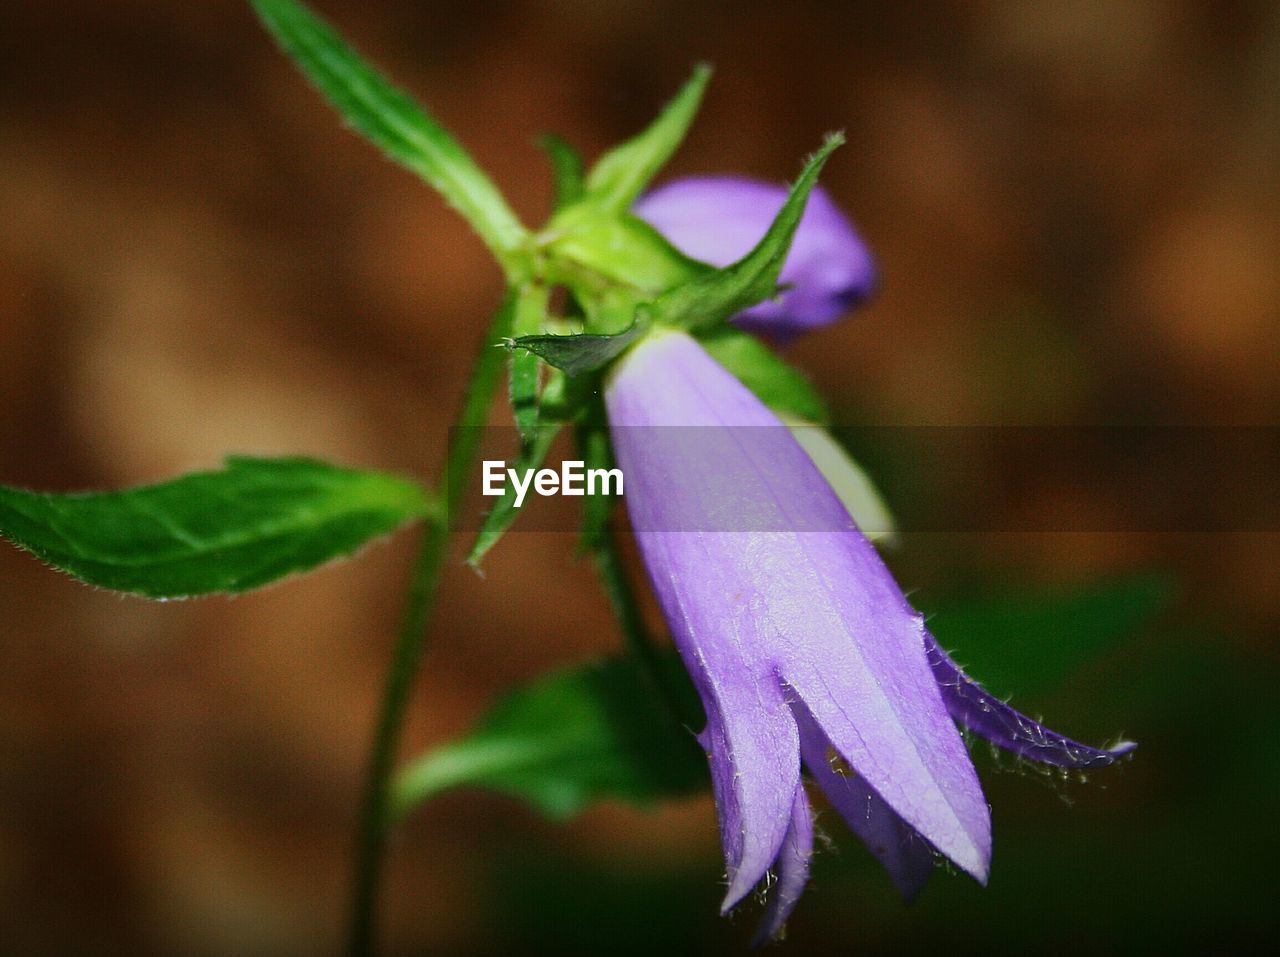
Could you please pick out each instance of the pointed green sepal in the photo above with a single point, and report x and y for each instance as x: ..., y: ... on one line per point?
x: 580, y: 354
x: 618, y: 177
x: 569, y: 176
x: 718, y: 295
x: 248, y: 524
x: 391, y: 119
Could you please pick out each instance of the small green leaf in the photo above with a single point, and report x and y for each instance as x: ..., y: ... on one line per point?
x: 533, y: 453
x: 1029, y: 643
x: 570, y: 737
x: 251, y: 523
x: 392, y: 121
x: 776, y: 383
x: 621, y: 174
x: 566, y: 168
x: 720, y: 294
x: 623, y: 248
x: 579, y: 354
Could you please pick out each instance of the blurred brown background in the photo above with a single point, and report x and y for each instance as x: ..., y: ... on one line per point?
x: 1075, y: 207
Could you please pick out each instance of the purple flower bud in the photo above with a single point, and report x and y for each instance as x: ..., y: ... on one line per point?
x: 802, y: 647
x: 718, y: 219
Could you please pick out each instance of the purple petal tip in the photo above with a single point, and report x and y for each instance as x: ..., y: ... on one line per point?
x: 984, y: 714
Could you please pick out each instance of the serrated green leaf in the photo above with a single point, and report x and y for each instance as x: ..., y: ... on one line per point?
x: 716, y: 296
x: 392, y: 120
x: 533, y: 452
x: 621, y: 174
x: 570, y: 737
x: 776, y: 383
x: 623, y: 248
x: 577, y: 355
x: 1028, y: 643
x: 255, y: 521
x: 566, y: 168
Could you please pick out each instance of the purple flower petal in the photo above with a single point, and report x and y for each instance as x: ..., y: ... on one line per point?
x: 792, y: 871
x: 768, y: 607
x: 986, y: 715
x: 901, y: 851
x: 718, y: 219
x: 752, y: 747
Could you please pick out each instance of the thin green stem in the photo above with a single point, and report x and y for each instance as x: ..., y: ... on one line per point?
x: 606, y: 554
x: 375, y: 813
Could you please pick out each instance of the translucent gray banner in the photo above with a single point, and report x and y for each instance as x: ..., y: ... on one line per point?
x: 930, y: 478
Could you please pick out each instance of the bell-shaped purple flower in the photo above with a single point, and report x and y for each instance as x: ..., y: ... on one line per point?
x: 801, y: 645
x: 718, y: 219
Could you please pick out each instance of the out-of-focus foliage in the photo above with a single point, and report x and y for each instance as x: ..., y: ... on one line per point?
x: 567, y: 738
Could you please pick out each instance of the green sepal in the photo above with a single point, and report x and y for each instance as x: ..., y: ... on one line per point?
x: 568, y: 738
x: 716, y: 296
x: 775, y: 382
x: 579, y: 354
x: 620, y: 175
x: 533, y: 452
x: 622, y: 248
x: 391, y: 120
x: 569, y: 177
x: 248, y: 524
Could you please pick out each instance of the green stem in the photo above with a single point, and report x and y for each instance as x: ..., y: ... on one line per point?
x: 375, y: 812
x: 606, y: 554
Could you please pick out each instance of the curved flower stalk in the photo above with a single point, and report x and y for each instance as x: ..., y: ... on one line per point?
x: 717, y: 219
x: 802, y: 647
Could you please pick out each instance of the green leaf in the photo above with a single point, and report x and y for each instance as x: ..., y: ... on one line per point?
x: 533, y: 452
x: 579, y: 354
x: 253, y: 522
x: 1028, y: 644
x: 566, y: 168
x: 569, y: 737
x: 621, y: 174
x: 720, y: 294
x: 776, y: 383
x: 392, y: 121
x: 623, y: 248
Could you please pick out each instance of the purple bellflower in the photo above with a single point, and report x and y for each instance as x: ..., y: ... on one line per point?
x: 717, y: 219
x: 802, y: 647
